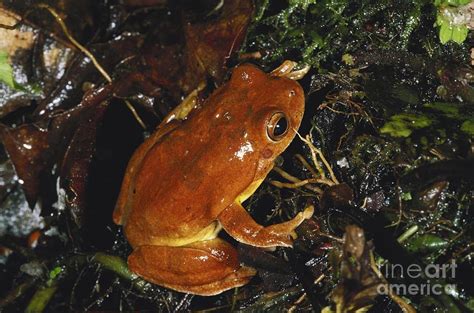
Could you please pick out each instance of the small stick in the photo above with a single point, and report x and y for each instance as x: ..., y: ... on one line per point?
x: 296, y: 185
x: 313, y: 155
x: 323, y: 159
x: 286, y: 175
x: 306, y: 165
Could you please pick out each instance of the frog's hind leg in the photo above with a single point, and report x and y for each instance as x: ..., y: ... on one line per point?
x: 203, y: 268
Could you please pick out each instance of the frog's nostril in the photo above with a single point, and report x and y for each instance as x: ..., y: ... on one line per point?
x: 267, y: 153
x: 292, y: 93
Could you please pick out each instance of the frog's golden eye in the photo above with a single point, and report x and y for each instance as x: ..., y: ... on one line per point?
x: 277, y: 126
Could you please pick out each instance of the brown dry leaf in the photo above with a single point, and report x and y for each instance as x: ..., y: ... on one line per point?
x: 338, y: 196
x: 210, y: 44
x: 26, y: 146
x: 34, y: 148
x: 74, y: 172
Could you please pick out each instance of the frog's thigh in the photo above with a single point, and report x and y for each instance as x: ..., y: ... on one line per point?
x: 204, y: 268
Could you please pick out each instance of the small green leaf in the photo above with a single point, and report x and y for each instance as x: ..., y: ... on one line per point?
x: 348, y: 59
x: 6, y: 71
x: 459, y: 33
x: 6, y: 76
x: 426, y: 243
x: 55, y: 272
x: 452, y: 2
x: 468, y: 127
x: 449, y: 109
x: 445, y: 33
x: 406, y: 196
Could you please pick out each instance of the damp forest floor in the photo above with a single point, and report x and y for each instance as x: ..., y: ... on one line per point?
x: 384, y: 153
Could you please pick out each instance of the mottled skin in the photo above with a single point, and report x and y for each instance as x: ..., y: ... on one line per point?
x: 190, y: 177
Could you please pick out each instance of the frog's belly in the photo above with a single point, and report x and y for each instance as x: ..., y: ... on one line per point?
x: 163, y: 227
x: 144, y: 238
x: 207, y: 233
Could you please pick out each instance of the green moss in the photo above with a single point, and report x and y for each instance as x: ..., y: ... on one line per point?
x: 296, y: 31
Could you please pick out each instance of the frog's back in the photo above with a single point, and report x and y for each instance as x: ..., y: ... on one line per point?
x: 180, y: 183
x: 188, y: 178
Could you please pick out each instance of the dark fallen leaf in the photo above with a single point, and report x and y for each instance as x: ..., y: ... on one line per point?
x: 75, y: 165
x: 27, y: 146
x: 424, y: 175
x: 275, y: 281
x: 258, y: 258
x: 82, y: 18
x: 375, y: 201
x: 337, y: 196
x: 210, y: 44
x: 274, y: 272
x: 427, y: 198
x: 35, y: 148
x: 145, y: 3
x: 35, y: 60
x: 69, y: 88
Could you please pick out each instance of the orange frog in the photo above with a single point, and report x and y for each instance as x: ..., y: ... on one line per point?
x: 188, y: 181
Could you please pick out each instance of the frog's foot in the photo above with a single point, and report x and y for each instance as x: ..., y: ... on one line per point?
x: 286, y: 69
x: 239, y: 224
x: 204, y: 268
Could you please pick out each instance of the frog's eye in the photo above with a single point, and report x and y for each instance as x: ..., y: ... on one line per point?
x: 277, y: 126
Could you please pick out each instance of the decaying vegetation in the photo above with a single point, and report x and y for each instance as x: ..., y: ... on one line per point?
x: 385, y: 152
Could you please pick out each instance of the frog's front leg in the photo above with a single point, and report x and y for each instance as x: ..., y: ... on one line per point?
x: 182, y: 110
x: 204, y: 268
x: 237, y: 222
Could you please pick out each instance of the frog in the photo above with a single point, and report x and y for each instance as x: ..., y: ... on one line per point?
x: 187, y: 182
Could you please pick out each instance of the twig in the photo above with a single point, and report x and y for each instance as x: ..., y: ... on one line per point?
x: 306, y: 165
x: 309, y: 140
x: 411, y: 231
x: 302, y: 183
x: 313, y: 155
